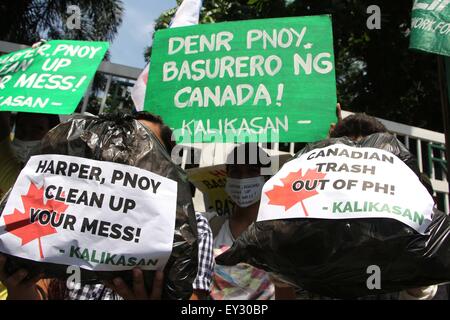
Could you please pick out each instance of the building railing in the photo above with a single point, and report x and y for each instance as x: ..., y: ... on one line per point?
x: 428, y: 146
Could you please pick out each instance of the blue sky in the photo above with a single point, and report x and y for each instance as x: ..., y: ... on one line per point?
x: 136, y: 30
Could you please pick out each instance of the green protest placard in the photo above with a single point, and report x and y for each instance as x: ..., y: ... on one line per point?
x: 430, y: 27
x: 49, y: 79
x: 257, y: 80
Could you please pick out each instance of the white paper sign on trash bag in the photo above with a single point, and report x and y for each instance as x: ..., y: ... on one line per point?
x: 343, y: 182
x: 97, y: 215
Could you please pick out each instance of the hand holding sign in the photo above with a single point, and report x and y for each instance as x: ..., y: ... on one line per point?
x: 138, y: 290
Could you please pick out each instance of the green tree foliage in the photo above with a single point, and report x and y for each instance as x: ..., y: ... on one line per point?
x: 27, y: 21
x: 376, y: 72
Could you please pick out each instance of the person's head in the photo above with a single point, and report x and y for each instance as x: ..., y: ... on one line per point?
x: 357, y: 126
x: 156, y: 125
x: 30, y: 128
x: 244, y: 179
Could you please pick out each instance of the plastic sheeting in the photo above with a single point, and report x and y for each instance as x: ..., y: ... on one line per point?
x: 332, y: 257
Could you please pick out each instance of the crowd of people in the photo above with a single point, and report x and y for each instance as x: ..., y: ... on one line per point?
x: 20, y: 133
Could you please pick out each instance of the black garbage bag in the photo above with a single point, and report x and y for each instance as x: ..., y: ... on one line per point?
x: 332, y: 257
x: 122, y: 139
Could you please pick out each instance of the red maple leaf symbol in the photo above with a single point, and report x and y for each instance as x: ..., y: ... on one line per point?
x: 19, y: 223
x: 287, y: 197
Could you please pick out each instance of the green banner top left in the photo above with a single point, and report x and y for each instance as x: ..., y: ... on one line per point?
x: 51, y: 78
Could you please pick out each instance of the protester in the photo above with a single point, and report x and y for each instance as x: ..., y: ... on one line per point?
x: 356, y: 127
x: 21, y: 288
x: 244, y: 185
x: 117, y: 289
x: 244, y: 166
x: 203, y: 280
x: 441, y: 292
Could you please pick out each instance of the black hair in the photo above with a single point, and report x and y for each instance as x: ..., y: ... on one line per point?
x: 144, y: 115
x: 357, y: 125
x: 166, y: 132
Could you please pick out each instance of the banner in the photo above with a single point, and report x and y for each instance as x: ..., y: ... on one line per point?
x: 97, y: 215
x: 245, y: 81
x: 342, y: 182
x: 430, y: 26
x: 51, y: 78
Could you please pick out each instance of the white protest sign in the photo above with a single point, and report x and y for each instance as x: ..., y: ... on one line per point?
x: 343, y: 182
x: 97, y: 215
